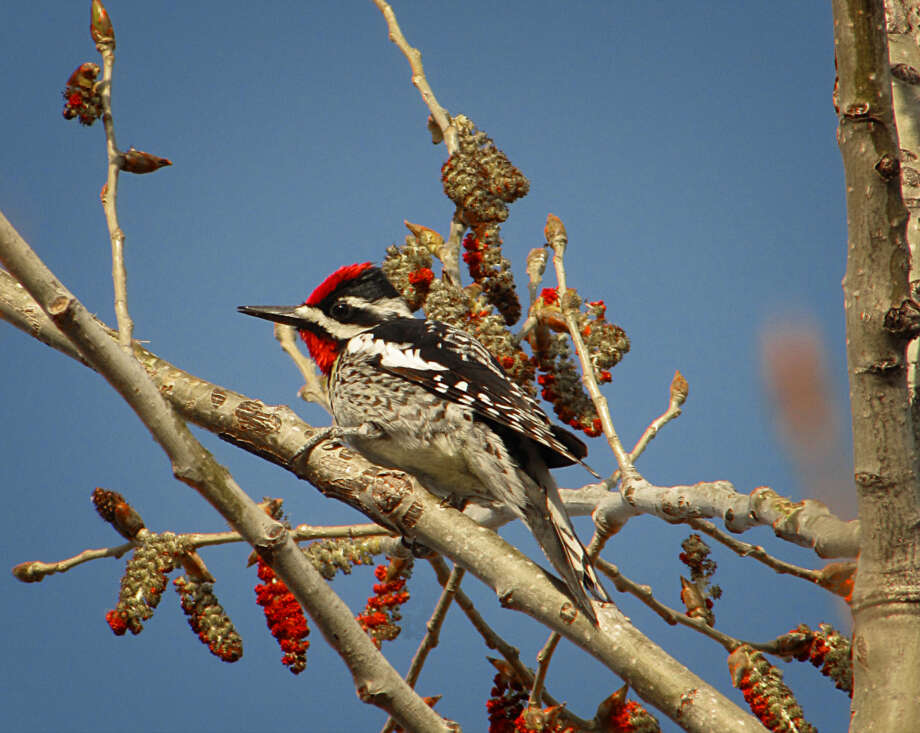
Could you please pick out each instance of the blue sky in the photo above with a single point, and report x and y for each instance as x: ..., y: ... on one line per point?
x: 690, y: 151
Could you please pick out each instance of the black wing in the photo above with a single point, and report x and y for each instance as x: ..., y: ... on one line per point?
x: 451, y: 363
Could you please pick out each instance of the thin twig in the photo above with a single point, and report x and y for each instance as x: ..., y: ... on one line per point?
x: 434, y: 625
x: 109, y: 198
x: 677, y: 397
x: 450, y: 252
x: 432, y: 636
x: 414, y: 57
x: 35, y: 570
x: 313, y: 389
x: 745, y: 549
x: 544, y: 656
x: 671, y: 616
x: 493, y: 641
x: 557, y: 239
x: 491, y: 638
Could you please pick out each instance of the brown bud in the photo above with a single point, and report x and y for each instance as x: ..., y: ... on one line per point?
x: 437, y: 135
x: 838, y: 577
x: 679, y: 388
x: 126, y: 520
x: 503, y: 667
x: 609, y: 705
x: 194, y: 567
x: 536, y: 266
x: 100, y: 26
x: 137, y: 161
x: 112, y: 507
x: 272, y: 507
x: 26, y: 572
x: 428, y: 238
x: 84, y: 76
x: 554, y: 230
x: 739, y: 664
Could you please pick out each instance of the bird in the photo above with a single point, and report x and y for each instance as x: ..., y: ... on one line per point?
x: 429, y: 399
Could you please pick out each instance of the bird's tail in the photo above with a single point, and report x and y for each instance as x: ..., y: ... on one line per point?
x: 550, y: 524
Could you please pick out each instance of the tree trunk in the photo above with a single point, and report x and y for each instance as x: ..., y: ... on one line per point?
x: 886, y: 612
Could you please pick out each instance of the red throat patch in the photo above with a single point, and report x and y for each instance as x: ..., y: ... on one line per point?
x: 332, y: 282
x: 323, y: 350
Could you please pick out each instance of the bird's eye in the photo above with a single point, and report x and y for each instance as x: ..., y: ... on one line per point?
x: 341, y: 310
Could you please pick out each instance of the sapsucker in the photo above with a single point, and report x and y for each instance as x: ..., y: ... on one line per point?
x: 429, y: 399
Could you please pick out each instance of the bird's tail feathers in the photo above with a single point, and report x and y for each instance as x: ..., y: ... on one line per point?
x: 553, y: 530
x: 575, y: 553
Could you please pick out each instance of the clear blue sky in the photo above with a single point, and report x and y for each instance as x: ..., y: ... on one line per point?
x: 689, y: 148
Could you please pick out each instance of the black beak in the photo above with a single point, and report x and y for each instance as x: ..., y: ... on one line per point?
x: 276, y: 313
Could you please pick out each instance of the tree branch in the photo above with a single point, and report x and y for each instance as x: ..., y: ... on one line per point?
x: 109, y: 196
x: 376, y: 681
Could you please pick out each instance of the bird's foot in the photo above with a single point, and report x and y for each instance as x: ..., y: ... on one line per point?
x: 336, y: 433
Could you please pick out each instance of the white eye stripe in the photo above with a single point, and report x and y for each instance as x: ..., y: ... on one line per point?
x: 382, y: 309
x: 336, y: 329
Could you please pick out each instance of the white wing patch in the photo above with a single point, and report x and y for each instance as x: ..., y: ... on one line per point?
x: 392, y: 355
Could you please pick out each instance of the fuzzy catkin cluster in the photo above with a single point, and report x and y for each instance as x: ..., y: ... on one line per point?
x: 144, y: 581
x: 479, y: 178
x: 491, y: 271
x: 765, y: 692
x: 408, y: 268
x: 830, y: 651
x: 606, y: 342
x: 331, y: 556
x: 207, y: 618
x: 559, y: 379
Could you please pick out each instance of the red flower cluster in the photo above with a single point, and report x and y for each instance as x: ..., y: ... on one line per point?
x: 473, y: 256
x: 116, y: 622
x: 550, y: 296
x: 284, y: 617
x: 600, y: 310
x: 630, y: 717
x: 565, y: 413
x: 382, y: 609
x: 81, y: 99
x: 421, y: 280
x: 506, y: 704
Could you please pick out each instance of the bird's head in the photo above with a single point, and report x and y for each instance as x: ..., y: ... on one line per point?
x: 353, y: 299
